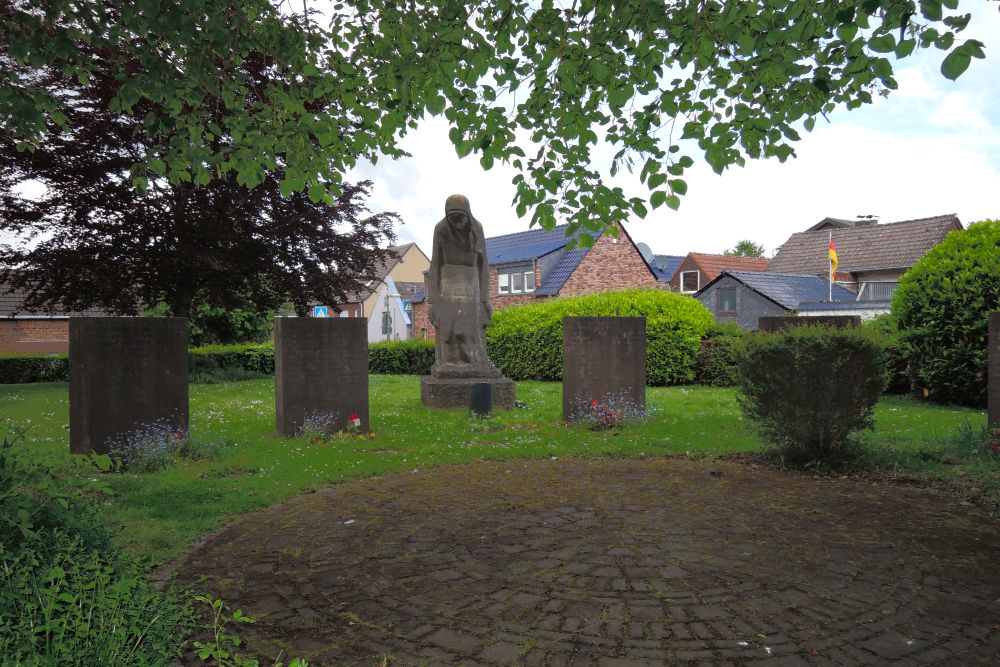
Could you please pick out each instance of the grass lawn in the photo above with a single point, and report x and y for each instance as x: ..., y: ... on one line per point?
x: 241, y: 466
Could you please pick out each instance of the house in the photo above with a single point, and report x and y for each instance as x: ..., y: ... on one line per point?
x: 537, y: 264
x: 23, y: 332
x: 871, y: 256
x: 698, y: 269
x: 664, y: 267
x: 405, y: 264
x: 744, y: 296
x: 391, y: 313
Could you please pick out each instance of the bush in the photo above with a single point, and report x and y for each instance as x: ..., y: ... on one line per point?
x: 525, y: 342
x: 809, y: 388
x: 943, y: 305
x: 208, y: 325
x: 884, y: 330
x: 25, y: 368
x: 401, y: 357
x: 222, y: 363
x: 68, y: 594
x: 719, y: 356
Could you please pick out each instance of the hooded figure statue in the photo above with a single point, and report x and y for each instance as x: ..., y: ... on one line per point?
x: 458, y: 291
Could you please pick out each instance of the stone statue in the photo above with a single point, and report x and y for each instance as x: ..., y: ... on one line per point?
x: 458, y: 291
x: 458, y: 297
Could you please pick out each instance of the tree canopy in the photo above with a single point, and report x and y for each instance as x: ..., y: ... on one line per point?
x: 563, y: 91
x: 746, y: 248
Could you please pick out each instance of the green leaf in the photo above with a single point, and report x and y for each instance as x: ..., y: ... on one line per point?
x: 316, y: 192
x: 955, y: 63
x: 158, y: 166
x: 674, y: 202
x: 658, y: 198
x: 905, y: 47
x: 931, y: 9
x: 883, y: 44
x: 679, y: 186
x: 436, y: 105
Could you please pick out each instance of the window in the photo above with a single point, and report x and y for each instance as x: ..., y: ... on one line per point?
x: 386, y: 323
x: 727, y: 301
x: 518, y: 279
x: 689, y: 281
x: 877, y: 291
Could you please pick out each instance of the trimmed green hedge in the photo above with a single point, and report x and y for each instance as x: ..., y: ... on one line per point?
x: 525, y: 342
x: 401, y: 357
x: 25, y: 368
x: 226, y: 363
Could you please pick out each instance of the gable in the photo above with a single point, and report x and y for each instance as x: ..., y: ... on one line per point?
x: 897, y: 245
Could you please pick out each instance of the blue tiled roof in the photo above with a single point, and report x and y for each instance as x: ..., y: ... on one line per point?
x: 531, y: 244
x: 560, y: 274
x: 789, y: 289
x: 418, y: 296
x: 664, y: 266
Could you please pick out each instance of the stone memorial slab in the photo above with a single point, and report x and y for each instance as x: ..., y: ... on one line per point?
x: 781, y: 322
x: 458, y: 297
x: 604, y: 360
x: 320, y: 373
x: 994, y: 371
x: 125, y: 374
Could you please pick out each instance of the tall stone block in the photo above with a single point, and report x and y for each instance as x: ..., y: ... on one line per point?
x: 604, y: 360
x: 779, y: 323
x: 994, y: 371
x: 125, y: 373
x: 320, y: 371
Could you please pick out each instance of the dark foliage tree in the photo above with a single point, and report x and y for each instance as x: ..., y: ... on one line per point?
x: 91, y: 239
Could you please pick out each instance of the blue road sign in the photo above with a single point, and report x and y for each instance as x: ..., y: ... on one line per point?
x: 319, y: 311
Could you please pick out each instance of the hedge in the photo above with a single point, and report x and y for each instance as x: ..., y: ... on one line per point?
x: 525, y: 342
x: 226, y: 363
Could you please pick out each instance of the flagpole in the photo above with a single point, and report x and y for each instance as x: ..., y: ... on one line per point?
x: 830, y: 259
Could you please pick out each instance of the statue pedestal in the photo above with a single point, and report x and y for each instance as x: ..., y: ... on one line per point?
x: 454, y: 392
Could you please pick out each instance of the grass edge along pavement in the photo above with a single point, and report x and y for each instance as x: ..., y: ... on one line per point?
x: 236, y: 465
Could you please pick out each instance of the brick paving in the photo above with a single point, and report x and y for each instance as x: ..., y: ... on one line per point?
x: 610, y: 562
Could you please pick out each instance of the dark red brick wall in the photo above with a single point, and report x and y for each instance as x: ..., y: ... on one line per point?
x: 687, y: 265
x: 609, y: 266
x: 41, y: 335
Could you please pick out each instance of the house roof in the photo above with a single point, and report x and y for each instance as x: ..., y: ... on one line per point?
x: 12, y: 305
x: 532, y: 244
x: 563, y: 270
x: 713, y: 265
x: 406, y: 290
x: 788, y: 290
x: 664, y: 266
x: 896, y: 245
x: 379, y: 271
x: 838, y: 223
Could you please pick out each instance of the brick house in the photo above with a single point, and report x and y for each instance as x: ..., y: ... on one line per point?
x: 23, y: 332
x: 698, y: 269
x: 536, y: 264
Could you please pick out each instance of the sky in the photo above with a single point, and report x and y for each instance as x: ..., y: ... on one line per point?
x: 932, y: 147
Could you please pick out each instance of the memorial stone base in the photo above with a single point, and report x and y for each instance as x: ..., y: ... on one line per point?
x: 438, y: 393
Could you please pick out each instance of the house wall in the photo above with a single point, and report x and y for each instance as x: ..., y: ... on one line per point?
x: 609, y: 265
x: 750, y: 306
x: 409, y: 269
x: 501, y: 301
x: 22, y: 336
x: 400, y: 324
x: 689, y: 264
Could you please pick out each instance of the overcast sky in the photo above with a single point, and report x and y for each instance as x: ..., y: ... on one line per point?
x: 931, y: 147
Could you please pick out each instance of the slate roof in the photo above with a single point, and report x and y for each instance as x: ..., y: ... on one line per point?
x: 12, y: 305
x: 846, y: 305
x: 713, y: 265
x: 532, y: 244
x: 835, y: 223
x: 789, y: 290
x: 563, y: 270
x: 419, y: 295
x: 664, y: 266
x: 381, y: 270
x: 896, y: 245
x: 407, y: 290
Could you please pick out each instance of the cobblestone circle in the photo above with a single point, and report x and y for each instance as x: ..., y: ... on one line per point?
x: 610, y: 562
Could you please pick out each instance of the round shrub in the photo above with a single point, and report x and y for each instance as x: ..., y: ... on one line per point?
x: 525, y: 342
x: 809, y: 388
x: 719, y: 355
x: 943, y: 305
